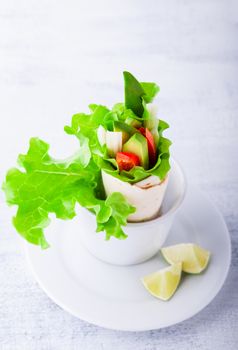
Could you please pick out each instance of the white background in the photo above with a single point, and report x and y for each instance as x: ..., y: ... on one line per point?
x: 56, y: 57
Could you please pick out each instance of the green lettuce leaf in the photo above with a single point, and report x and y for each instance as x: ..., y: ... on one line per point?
x: 49, y: 186
x: 137, y: 93
x: 133, y: 94
x: 151, y: 90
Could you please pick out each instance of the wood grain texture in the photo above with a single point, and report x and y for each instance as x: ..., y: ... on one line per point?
x: 58, y: 56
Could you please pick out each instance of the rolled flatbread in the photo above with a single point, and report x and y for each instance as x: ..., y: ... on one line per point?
x: 146, y: 196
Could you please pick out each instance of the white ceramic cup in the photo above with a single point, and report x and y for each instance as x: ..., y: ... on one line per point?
x: 144, y: 238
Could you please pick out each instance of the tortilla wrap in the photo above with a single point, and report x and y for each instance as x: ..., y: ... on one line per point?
x: 146, y: 196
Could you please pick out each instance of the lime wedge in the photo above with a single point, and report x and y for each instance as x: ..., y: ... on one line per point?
x: 163, y: 283
x: 194, y: 259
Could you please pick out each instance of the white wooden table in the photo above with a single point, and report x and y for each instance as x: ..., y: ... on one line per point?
x: 58, y: 56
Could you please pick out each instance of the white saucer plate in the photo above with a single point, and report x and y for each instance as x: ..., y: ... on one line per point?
x: 113, y: 296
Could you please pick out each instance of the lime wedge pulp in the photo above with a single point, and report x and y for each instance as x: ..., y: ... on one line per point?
x: 194, y: 259
x: 163, y: 283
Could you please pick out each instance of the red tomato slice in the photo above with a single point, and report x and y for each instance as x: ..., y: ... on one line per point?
x: 142, y: 131
x: 126, y: 160
x: 151, y: 145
